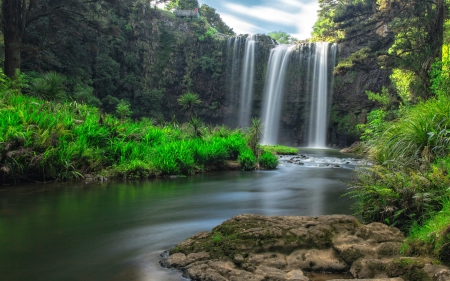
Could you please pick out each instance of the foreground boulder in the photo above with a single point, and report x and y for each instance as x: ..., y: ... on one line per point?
x: 256, y: 248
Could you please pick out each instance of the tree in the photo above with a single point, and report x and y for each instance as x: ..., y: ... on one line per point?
x: 404, y: 34
x: 282, y: 37
x: 188, y: 101
x: 183, y: 4
x: 19, y: 16
x: 254, y: 136
x: 123, y: 109
x: 419, y: 33
x: 215, y: 20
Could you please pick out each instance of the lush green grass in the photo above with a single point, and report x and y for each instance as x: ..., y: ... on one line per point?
x: 247, y: 160
x: 280, y: 149
x: 268, y: 161
x: 43, y: 140
x: 433, y: 237
x: 408, y: 185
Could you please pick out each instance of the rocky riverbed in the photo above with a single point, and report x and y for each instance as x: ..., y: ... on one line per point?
x: 257, y: 248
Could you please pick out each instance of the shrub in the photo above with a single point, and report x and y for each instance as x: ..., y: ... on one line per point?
x: 268, y: 160
x: 433, y: 237
x: 247, y: 160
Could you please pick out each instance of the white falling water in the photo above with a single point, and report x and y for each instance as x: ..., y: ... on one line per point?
x: 234, y: 60
x: 319, y: 97
x: 274, y: 91
x: 246, y: 93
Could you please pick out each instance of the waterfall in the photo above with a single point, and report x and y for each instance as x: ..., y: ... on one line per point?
x: 320, y: 93
x: 273, y: 92
x: 247, y: 75
x: 234, y: 62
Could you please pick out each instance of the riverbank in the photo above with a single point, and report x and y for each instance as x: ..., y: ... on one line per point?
x: 255, y: 247
x: 46, y: 141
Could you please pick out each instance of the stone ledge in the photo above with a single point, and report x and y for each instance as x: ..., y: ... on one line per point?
x: 257, y: 248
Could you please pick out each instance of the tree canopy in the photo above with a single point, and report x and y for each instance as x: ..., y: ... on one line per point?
x: 45, y: 23
x: 282, y: 37
x: 215, y: 20
x: 406, y: 34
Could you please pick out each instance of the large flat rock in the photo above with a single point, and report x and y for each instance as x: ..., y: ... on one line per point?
x: 256, y: 247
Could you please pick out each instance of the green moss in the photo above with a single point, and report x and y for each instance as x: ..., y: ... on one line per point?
x: 407, y: 268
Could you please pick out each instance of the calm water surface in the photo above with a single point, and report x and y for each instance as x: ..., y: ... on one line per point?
x: 116, y: 231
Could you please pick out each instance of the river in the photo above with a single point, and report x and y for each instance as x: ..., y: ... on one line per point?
x: 117, y: 230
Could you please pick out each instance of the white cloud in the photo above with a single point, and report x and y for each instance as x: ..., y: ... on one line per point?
x: 240, y: 26
x: 262, y: 13
x: 292, y: 14
x: 305, y: 20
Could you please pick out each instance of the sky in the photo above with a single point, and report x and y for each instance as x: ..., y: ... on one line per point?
x: 295, y: 17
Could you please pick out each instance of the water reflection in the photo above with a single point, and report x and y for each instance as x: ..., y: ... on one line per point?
x: 116, y: 231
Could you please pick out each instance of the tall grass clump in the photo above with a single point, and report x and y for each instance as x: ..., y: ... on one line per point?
x: 409, y: 177
x: 433, y: 237
x: 247, y: 160
x: 268, y: 161
x: 421, y: 135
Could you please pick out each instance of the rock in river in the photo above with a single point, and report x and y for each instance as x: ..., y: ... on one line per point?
x: 256, y: 248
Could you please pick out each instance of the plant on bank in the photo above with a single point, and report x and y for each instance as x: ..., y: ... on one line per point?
x: 280, y: 149
x: 268, y: 161
x: 433, y: 237
x: 247, y: 160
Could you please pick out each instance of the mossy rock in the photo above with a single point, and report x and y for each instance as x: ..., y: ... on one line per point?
x: 411, y: 269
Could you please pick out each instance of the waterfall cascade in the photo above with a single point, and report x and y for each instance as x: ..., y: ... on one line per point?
x: 247, y: 75
x: 241, y: 68
x: 295, y: 101
x: 234, y: 59
x: 273, y: 92
x: 313, y: 89
x: 320, y: 93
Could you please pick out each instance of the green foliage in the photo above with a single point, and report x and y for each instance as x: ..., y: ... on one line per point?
x: 383, y: 98
x: 268, y: 160
x: 409, y: 177
x: 403, y: 81
x: 433, y: 236
x: 420, y: 135
x: 189, y: 101
x: 211, y: 66
x: 280, y: 149
x: 247, y: 160
x: 254, y: 135
x: 123, y: 109
x: 208, y: 35
x: 187, y: 4
x: 375, y: 125
x: 377, y: 118
x: 282, y: 37
x: 49, y: 86
x: 42, y: 140
x: 215, y: 20
x: 351, y: 62
x: 398, y: 197
x: 84, y: 94
x: 440, y: 78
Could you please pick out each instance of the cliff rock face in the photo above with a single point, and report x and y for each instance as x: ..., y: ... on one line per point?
x: 353, y: 76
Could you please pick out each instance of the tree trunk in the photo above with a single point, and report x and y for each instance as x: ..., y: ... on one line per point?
x: 14, y: 14
x: 12, y: 56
